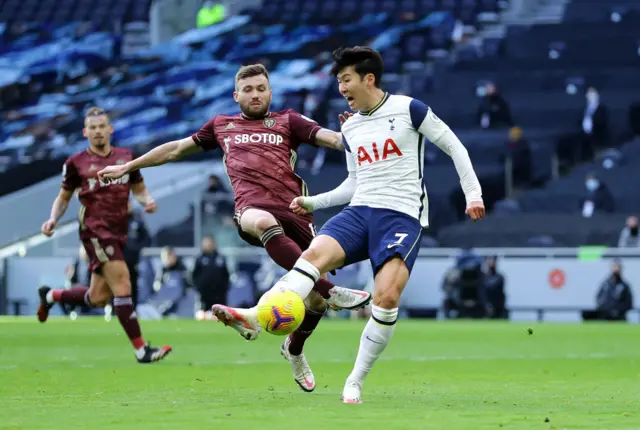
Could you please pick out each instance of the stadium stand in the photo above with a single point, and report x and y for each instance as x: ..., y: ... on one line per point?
x: 434, y: 50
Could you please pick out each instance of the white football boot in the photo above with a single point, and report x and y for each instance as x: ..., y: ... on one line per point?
x: 241, y: 320
x: 351, y: 392
x: 302, y: 373
x: 345, y: 298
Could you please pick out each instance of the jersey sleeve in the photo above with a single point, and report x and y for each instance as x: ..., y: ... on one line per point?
x: 340, y: 195
x: 205, y: 138
x: 70, y: 176
x: 425, y: 121
x: 303, y: 129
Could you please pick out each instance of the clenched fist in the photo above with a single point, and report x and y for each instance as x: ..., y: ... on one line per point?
x: 300, y: 207
x: 113, y: 172
x: 48, y: 227
x: 475, y: 210
x: 151, y: 206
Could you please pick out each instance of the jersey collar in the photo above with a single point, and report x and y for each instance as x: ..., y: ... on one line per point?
x: 376, y: 107
x: 98, y: 155
x: 267, y: 115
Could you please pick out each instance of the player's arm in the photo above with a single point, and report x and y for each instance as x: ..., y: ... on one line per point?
x: 329, y: 139
x: 439, y: 133
x: 204, y: 139
x: 58, y: 209
x: 70, y: 182
x: 143, y: 197
x: 341, y: 195
x: 165, y: 153
x: 60, y: 204
x: 304, y: 129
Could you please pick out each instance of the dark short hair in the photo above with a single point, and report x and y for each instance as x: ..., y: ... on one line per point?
x: 364, y: 60
x: 251, y: 71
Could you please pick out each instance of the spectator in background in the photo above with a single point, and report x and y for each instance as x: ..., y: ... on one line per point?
x: 494, y: 295
x: 463, y: 287
x: 217, y: 200
x: 595, y: 121
x: 614, y: 298
x: 519, y: 150
x: 170, y: 263
x: 137, y: 238
x: 494, y: 111
x: 598, y: 197
x: 629, y: 234
x: 210, y: 275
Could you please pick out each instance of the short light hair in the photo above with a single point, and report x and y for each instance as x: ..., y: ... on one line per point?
x: 95, y: 111
x: 251, y: 71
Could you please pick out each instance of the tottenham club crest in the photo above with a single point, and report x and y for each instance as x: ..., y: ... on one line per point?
x: 269, y: 123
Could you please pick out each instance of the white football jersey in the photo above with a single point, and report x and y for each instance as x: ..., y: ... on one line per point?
x: 386, y: 147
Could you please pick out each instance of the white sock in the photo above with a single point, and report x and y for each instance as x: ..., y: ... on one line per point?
x: 301, y: 279
x: 375, y: 338
x: 140, y: 352
x: 50, y: 296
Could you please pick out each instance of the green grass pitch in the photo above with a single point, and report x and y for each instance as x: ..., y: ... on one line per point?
x: 434, y: 375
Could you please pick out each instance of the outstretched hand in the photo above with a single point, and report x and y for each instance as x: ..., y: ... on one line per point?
x: 475, y: 210
x: 343, y: 117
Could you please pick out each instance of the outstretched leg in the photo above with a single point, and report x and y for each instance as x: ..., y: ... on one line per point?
x: 285, y: 252
x: 304, y: 275
x: 97, y: 296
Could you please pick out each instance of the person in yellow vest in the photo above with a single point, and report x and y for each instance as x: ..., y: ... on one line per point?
x: 210, y: 13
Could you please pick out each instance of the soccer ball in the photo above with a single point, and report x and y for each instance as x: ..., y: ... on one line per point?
x: 280, y: 312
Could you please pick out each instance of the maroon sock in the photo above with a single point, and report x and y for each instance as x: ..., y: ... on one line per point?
x: 128, y: 320
x: 299, y: 337
x: 76, y: 296
x: 285, y: 252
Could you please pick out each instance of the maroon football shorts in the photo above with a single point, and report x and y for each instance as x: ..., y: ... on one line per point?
x: 299, y: 228
x: 101, y: 251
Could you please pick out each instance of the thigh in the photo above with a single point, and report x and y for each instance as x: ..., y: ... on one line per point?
x: 116, y: 273
x: 393, y: 234
x: 252, y: 222
x: 390, y: 281
x: 349, y: 230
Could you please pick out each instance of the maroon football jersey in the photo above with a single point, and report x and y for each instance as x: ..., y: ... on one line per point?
x: 103, y: 206
x: 260, y: 155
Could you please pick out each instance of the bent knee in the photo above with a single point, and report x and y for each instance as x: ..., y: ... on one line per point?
x: 324, y: 254
x: 387, y: 298
x: 315, y: 302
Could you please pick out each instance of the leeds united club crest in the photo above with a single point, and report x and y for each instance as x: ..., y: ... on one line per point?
x: 269, y: 122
